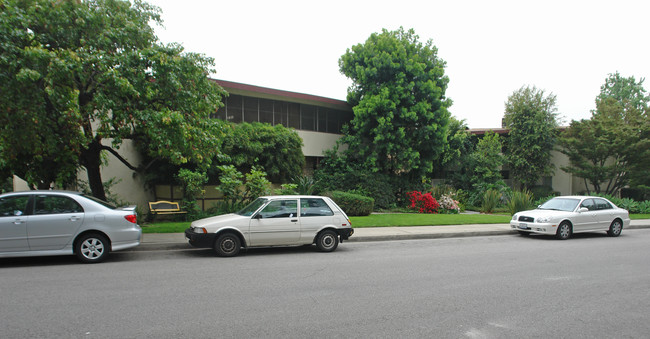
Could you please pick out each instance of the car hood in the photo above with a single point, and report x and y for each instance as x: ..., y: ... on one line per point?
x: 221, y: 220
x: 542, y: 213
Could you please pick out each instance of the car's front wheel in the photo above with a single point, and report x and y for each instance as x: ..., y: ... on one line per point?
x: 227, y: 245
x: 327, y: 241
x: 563, y: 231
x: 615, y: 228
x: 92, y: 248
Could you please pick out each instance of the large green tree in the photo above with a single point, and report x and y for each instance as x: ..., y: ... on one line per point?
x: 531, y: 116
x: 400, y: 108
x: 78, y: 78
x: 612, y: 149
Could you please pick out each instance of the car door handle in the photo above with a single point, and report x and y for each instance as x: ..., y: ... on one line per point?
x: 19, y: 221
x: 294, y: 220
x: 74, y: 218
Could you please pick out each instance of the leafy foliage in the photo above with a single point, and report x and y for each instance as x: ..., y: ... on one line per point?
x: 422, y: 203
x: 192, y: 183
x: 276, y: 149
x: 520, y: 201
x: 80, y: 77
x: 612, y: 149
x: 531, y: 117
x: 400, y: 108
x: 338, y: 174
x: 236, y: 192
x: 486, y: 160
x: 351, y: 203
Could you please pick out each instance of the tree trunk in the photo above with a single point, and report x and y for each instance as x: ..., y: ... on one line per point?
x: 91, y: 159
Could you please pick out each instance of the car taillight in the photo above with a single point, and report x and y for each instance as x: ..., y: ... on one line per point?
x: 131, y: 218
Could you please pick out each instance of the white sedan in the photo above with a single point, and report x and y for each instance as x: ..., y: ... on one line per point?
x: 565, y: 215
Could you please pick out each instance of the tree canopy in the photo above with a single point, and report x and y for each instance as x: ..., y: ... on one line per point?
x: 531, y: 116
x: 612, y: 149
x: 78, y: 78
x: 400, y: 108
x: 277, y: 150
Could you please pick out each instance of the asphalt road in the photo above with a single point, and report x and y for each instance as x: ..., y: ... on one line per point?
x: 590, y: 286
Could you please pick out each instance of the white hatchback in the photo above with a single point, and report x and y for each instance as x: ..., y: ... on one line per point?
x: 565, y: 215
x: 274, y: 221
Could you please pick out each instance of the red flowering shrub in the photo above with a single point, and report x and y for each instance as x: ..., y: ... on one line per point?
x: 423, y: 203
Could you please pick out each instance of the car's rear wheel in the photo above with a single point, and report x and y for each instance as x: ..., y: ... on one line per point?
x: 563, y: 231
x: 327, y: 241
x: 615, y: 228
x: 92, y: 248
x: 227, y: 245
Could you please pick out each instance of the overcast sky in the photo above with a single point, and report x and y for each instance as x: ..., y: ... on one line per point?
x: 491, y: 48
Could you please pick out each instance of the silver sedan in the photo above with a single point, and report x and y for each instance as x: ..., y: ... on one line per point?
x: 563, y: 216
x: 40, y: 223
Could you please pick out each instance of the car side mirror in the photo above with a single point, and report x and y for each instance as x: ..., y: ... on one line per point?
x: 583, y: 209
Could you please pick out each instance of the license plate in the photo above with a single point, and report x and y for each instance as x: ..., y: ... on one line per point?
x: 523, y: 226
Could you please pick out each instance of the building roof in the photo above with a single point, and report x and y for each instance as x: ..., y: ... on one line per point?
x: 270, y: 93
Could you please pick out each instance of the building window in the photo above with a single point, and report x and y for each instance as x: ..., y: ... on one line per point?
x: 294, y: 115
x: 234, y: 108
x: 251, y: 110
x: 266, y: 111
x: 308, y: 118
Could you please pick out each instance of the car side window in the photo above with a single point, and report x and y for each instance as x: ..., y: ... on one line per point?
x: 314, y: 207
x: 280, y: 209
x: 13, y: 206
x: 589, y: 204
x: 602, y: 204
x: 52, y: 204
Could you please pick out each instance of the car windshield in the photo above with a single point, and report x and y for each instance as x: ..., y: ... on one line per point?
x: 560, y: 204
x: 252, y: 207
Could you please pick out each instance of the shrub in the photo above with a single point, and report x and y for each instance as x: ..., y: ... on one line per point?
x: 628, y: 204
x: 543, y: 191
x: 491, y: 199
x: 353, y: 204
x: 449, y: 205
x: 644, y: 207
x: 287, y: 189
x: 304, y: 184
x: 520, y: 201
x: 423, y: 203
x: 192, y: 183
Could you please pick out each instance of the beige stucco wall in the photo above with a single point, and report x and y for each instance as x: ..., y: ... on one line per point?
x: 561, y: 181
x: 316, y: 143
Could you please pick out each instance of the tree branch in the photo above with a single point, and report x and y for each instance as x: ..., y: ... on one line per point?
x: 119, y: 157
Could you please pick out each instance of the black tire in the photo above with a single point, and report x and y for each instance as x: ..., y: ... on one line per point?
x: 227, y: 245
x: 327, y: 241
x: 92, y: 248
x: 564, y: 231
x: 615, y: 228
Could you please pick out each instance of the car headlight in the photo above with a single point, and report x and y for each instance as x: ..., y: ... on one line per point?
x: 199, y: 230
x: 514, y: 217
x: 543, y: 219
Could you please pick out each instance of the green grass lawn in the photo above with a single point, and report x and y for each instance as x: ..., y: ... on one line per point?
x: 373, y: 220
x: 381, y: 220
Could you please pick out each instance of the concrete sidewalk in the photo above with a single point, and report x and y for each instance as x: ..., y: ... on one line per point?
x: 177, y: 241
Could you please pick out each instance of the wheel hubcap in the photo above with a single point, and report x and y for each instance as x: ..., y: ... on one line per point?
x: 616, y: 228
x: 228, y: 245
x: 564, y: 231
x: 328, y: 241
x: 92, y: 248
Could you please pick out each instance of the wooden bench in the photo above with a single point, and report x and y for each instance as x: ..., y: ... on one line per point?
x: 164, y: 208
